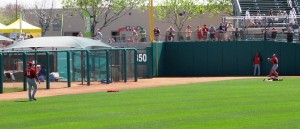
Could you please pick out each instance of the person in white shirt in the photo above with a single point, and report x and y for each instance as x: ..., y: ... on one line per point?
x: 99, y: 35
x: 21, y: 37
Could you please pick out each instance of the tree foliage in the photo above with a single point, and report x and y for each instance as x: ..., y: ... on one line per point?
x: 103, y: 11
x: 8, y: 13
x: 178, y: 12
x: 46, y: 14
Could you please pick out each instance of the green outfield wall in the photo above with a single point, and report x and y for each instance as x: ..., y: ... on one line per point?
x: 228, y: 58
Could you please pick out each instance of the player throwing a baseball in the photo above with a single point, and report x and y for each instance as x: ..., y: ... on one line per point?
x: 273, y: 71
x: 31, y: 76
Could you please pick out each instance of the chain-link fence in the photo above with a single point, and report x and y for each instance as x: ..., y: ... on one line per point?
x: 85, y: 66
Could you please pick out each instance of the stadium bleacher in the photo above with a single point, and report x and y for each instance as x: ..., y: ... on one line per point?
x: 263, y: 6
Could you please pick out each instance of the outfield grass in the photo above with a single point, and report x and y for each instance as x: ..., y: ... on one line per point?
x: 235, y: 104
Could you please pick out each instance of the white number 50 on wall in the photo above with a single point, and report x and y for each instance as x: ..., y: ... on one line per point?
x: 142, y: 58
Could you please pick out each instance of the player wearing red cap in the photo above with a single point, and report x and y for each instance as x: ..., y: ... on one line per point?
x: 31, y: 76
x: 273, y: 71
x: 256, y: 63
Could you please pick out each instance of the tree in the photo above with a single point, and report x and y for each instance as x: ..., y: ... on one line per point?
x: 177, y: 12
x: 103, y: 11
x: 46, y: 14
x: 8, y: 13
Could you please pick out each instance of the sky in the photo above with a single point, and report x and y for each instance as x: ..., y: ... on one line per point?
x: 29, y: 3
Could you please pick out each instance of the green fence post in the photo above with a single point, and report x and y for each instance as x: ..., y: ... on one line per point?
x: 1, y: 71
x: 135, y: 66
x: 47, y: 71
x: 88, y: 72
x: 149, y: 62
x: 107, y: 67
x: 68, y: 69
x: 24, y: 68
x: 125, y: 64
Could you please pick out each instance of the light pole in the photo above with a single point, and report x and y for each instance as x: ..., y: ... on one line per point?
x: 62, y: 24
x: 16, y: 9
x: 151, y: 21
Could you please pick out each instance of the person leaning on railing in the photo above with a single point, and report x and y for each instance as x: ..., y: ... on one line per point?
x: 199, y: 33
x: 143, y: 35
x: 156, y: 33
x: 212, y: 31
x: 221, y: 31
x: 236, y: 34
x: 134, y: 36
x: 289, y: 35
x: 170, y: 34
x: 230, y: 30
x: 295, y: 28
x: 274, y: 33
x: 188, y: 33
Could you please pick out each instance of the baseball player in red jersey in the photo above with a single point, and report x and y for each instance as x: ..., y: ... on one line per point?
x: 256, y: 63
x: 31, y: 76
x: 273, y: 71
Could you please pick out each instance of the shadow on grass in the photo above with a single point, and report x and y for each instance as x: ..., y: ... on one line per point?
x: 22, y: 101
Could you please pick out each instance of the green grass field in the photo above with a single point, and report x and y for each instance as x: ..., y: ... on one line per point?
x: 235, y: 104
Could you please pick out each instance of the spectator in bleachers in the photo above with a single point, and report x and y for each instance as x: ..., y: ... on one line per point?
x: 274, y: 33
x: 252, y: 21
x: 236, y: 34
x: 212, y: 31
x: 205, y: 31
x: 295, y: 28
x: 289, y: 35
x: 199, y: 33
x: 258, y: 20
x: 188, y: 33
x: 276, y: 19
x: 271, y: 12
x: 248, y: 21
x: 264, y: 20
x: 247, y: 13
x: 270, y: 20
x: 266, y: 33
x: 285, y: 16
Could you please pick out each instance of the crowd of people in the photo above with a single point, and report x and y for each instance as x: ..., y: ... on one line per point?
x: 223, y: 32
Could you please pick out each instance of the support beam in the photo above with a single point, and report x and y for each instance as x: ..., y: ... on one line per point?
x: 47, y: 70
x: 1, y: 71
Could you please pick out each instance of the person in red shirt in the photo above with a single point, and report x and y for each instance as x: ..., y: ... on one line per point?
x: 31, y: 76
x: 204, y: 31
x: 273, y: 71
x: 199, y: 33
x: 256, y: 64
